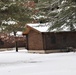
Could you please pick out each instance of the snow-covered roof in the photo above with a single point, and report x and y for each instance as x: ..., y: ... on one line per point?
x: 43, y: 27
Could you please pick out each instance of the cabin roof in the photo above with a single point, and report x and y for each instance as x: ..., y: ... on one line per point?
x: 43, y: 27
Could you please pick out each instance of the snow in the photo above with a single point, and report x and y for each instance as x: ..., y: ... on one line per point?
x: 19, y: 33
x: 42, y: 27
x: 38, y: 16
x: 9, y: 22
x: 24, y: 63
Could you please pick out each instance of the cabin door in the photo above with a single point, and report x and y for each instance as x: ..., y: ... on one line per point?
x: 50, y: 42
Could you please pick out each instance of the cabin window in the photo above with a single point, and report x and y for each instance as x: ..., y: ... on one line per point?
x: 64, y: 38
x: 53, y: 39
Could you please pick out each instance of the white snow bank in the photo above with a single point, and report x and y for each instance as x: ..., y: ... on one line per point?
x: 24, y: 63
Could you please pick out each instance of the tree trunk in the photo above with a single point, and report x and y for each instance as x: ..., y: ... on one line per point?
x: 16, y: 45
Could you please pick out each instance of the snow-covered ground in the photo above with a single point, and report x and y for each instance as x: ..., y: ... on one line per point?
x: 24, y: 63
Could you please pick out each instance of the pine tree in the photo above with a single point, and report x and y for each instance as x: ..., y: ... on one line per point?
x: 61, y: 13
x: 41, y: 8
x: 11, y: 10
x: 66, y: 16
x: 14, y: 11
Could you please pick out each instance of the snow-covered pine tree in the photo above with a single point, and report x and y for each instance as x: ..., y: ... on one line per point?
x: 14, y: 11
x: 61, y: 13
x: 66, y: 17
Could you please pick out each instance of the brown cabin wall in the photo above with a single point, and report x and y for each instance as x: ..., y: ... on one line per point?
x: 62, y: 40
x: 35, y: 41
x: 68, y: 39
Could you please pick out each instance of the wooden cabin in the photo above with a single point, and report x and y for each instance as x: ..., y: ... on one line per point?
x: 39, y: 40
